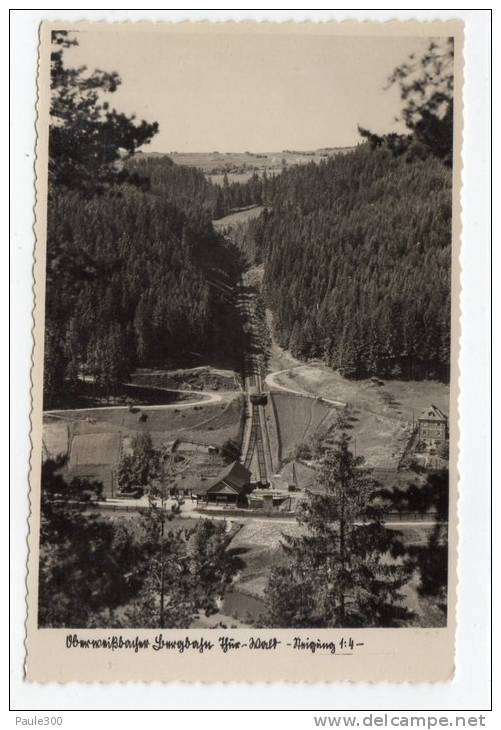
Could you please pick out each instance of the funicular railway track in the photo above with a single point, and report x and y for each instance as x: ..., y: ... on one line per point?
x: 255, y: 455
x: 255, y: 458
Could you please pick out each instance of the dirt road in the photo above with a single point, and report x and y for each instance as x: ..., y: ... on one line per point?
x: 274, y: 384
x: 205, y: 399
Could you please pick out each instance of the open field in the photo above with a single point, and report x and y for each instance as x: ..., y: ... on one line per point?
x: 94, y: 442
x: 237, y: 218
x: 273, y: 437
x: 133, y: 520
x: 240, y: 166
x: 396, y: 399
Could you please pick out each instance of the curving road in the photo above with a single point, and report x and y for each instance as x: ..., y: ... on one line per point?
x: 205, y: 399
x: 271, y: 382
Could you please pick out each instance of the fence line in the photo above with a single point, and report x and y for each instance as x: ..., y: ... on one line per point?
x: 258, y: 512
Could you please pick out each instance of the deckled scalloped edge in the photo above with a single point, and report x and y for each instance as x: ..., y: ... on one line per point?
x: 457, y: 197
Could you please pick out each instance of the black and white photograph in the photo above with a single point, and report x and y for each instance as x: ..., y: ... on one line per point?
x: 247, y: 335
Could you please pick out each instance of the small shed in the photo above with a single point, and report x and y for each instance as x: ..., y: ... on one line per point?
x: 433, y: 425
x: 94, y: 457
x: 230, y: 486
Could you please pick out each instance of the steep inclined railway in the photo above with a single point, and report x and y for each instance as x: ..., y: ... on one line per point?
x: 256, y: 453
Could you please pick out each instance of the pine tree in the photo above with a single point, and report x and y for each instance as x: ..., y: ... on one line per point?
x: 345, y: 569
x: 185, y: 571
x: 86, y: 137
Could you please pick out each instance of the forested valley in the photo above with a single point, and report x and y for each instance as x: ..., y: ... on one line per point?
x: 356, y: 253
x: 356, y: 250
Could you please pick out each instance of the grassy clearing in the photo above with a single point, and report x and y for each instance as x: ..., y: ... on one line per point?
x: 222, y: 423
x: 95, y: 448
x: 241, y: 216
x: 133, y: 521
x: 298, y: 418
x: 239, y: 166
x: 141, y: 394
x: 396, y: 399
x: 379, y: 416
x: 280, y: 359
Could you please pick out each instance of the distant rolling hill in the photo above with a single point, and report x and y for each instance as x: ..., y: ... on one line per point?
x: 240, y: 166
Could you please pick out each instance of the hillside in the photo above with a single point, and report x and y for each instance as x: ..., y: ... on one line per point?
x: 357, y: 256
x: 188, y: 187
x: 139, y: 283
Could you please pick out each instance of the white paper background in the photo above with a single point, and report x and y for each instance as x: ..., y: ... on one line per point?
x: 470, y: 690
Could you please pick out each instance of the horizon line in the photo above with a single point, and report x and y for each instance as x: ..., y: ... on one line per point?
x: 247, y: 152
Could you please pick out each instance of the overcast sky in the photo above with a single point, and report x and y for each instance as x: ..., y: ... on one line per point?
x: 250, y: 92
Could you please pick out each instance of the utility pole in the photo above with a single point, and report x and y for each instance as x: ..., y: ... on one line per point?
x: 163, y: 500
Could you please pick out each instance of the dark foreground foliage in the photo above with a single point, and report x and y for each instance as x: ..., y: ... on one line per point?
x: 149, y: 572
x: 347, y: 569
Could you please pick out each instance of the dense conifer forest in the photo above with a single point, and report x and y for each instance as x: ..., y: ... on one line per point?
x: 356, y: 255
x: 190, y: 190
x: 133, y: 280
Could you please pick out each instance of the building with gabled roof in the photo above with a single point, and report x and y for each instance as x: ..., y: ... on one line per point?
x: 433, y: 424
x: 230, y: 486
